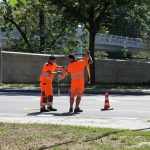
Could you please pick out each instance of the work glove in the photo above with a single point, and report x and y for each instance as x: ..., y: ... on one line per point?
x: 59, y: 72
x: 63, y: 67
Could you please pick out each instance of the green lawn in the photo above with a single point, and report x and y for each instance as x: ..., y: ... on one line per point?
x: 57, y: 137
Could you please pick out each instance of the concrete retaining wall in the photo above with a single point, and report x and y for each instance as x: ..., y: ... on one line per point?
x: 26, y: 68
x: 122, y: 71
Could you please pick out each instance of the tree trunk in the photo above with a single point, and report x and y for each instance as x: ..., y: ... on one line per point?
x: 22, y: 33
x: 42, y: 26
x: 91, y: 50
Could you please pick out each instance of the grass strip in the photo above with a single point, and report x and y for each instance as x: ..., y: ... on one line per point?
x: 59, y: 137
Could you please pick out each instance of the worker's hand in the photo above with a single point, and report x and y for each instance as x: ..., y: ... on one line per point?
x: 59, y: 72
x: 86, y: 56
x: 63, y: 67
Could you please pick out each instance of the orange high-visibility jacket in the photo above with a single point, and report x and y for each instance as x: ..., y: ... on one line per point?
x: 48, y: 68
x: 76, y: 69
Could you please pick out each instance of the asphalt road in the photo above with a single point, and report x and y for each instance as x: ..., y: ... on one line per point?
x: 130, y: 112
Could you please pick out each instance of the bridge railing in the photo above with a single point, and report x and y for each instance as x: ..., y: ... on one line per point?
x: 14, y: 34
x: 101, y: 39
x: 119, y: 41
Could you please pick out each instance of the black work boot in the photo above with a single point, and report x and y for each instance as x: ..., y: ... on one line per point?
x: 77, y: 110
x: 71, y: 110
x: 50, y: 108
x: 43, y: 109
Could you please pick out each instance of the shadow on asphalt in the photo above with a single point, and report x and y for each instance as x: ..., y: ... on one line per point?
x: 64, y: 114
x: 34, y: 114
x: 54, y: 114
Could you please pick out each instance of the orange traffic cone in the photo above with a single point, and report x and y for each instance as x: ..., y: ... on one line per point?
x: 106, y: 105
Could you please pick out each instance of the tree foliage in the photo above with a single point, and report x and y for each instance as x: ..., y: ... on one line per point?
x: 58, y: 33
x: 131, y: 22
x: 15, y: 2
x: 95, y: 14
x: 122, y: 17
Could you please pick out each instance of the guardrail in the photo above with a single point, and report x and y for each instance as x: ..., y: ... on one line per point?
x: 101, y: 39
x: 119, y: 41
x: 12, y: 34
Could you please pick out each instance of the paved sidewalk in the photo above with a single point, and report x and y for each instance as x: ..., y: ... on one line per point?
x: 120, y: 123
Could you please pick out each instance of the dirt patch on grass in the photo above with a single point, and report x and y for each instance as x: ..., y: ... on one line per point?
x: 41, y: 137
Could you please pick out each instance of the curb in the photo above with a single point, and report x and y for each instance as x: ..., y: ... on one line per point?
x: 87, y: 91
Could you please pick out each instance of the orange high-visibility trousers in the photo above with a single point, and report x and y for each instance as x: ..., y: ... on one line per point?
x: 46, y: 91
x: 77, y: 88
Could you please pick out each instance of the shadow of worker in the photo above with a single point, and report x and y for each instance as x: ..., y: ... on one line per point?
x: 34, y: 114
x: 49, y: 113
x: 63, y: 114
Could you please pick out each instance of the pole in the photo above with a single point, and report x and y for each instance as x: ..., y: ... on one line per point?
x: 0, y: 63
x: 58, y: 85
x: 79, y: 32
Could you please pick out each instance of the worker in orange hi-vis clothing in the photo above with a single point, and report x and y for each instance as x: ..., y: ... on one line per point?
x: 46, y: 79
x: 76, y: 71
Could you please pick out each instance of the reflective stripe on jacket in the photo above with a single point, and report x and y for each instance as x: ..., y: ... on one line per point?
x: 78, y: 75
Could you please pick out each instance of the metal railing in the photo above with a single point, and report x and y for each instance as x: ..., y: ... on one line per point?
x: 101, y: 39
x: 12, y: 34
x: 119, y: 41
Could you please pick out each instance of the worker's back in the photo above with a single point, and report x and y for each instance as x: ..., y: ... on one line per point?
x: 76, y: 69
